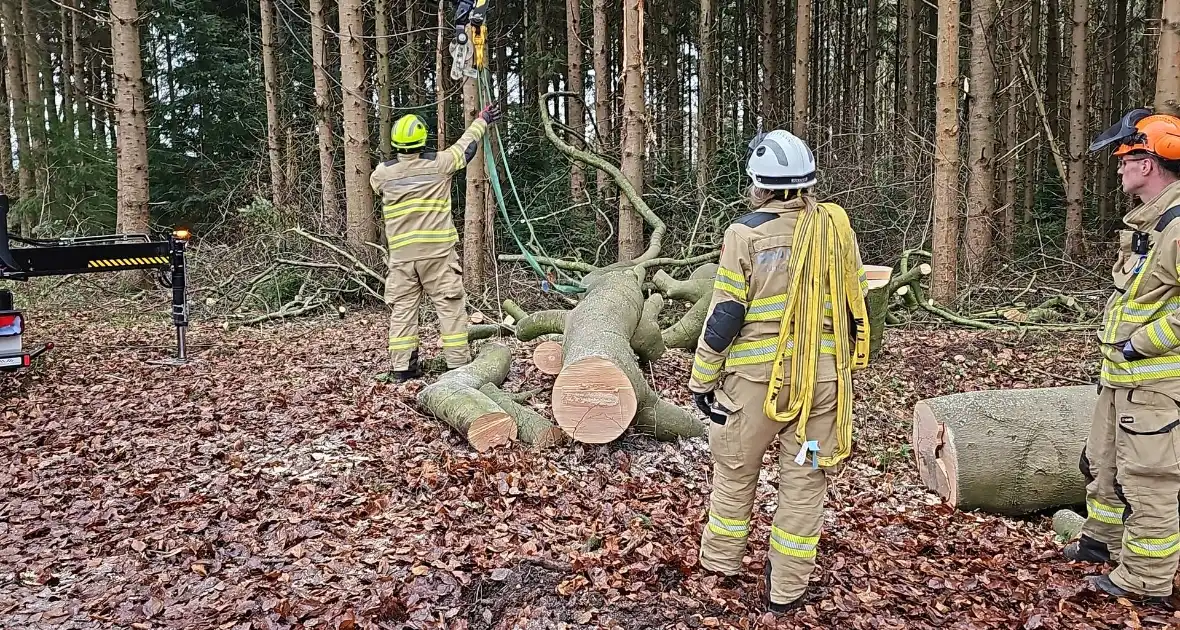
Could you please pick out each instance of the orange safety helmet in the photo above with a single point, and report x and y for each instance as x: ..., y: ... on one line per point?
x: 1141, y: 130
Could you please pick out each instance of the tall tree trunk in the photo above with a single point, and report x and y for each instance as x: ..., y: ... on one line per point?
x: 1122, y: 92
x: 1053, y: 56
x: 913, y: 59
x: 1011, y: 130
x: 77, y: 78
x: 577, y: 115
x: 1078, y: 99
x: 6, y: 182
x: 131, y: 156
x: 34, y: 101
x: 278, y: 195
x: 707, y: 116
x: 440, y: 77
x: 475, y: 213
x: 634, y: 128
x: 16, y: 92
x: 603, y: 142
x: 330, y: 205
x: 45, y: 63
x: 982, y: 130
x: 1032, y: 123
x: 802, y: 66
x: 1153, y: 12
x: 870, y: 99
x: 413, y: 42
x: 770, y: 45
x: 946, y: 156
x: 1167, y: 78
x: 384, y: 104
x: 67, y: 68
x: 361, y: 225
x: 1105, y: 106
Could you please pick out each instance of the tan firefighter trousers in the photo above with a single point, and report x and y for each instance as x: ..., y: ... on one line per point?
x: 441, y: 279
x: 1132, y: 463
x: 737, y: 448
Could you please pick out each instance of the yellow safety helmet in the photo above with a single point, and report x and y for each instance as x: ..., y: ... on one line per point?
x: 409, y: 133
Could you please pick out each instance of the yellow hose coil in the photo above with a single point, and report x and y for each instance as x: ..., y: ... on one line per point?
x: 822, y: 249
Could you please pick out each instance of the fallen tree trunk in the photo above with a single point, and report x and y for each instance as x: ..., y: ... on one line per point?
x: 456, y: 399
x: 601, y: 387
x: 532, y: 427
x: 1009, y: 452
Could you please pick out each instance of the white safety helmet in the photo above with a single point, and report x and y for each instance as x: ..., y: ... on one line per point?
x: 780, y: 161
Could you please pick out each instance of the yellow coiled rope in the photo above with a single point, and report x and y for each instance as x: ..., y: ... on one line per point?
x: 822, y: 254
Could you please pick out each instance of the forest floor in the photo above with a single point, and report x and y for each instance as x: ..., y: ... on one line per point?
x: 276, y: 482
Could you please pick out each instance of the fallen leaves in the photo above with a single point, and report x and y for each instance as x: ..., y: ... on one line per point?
x: 275, y: 484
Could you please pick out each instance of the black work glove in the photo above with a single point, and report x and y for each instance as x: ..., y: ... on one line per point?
x: 1130, y: 354
x: 490, y: 114
x: 705, y: 403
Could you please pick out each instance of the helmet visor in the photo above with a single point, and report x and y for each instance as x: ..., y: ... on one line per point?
x: 1121, y: 131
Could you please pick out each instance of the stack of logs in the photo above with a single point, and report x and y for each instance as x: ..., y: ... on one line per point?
x: 596, y: 352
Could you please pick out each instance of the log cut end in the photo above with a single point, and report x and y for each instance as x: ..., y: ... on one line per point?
x: 547, y: 356
x: 934, y: 449
x: 593, y: 400
x: 491, y: 430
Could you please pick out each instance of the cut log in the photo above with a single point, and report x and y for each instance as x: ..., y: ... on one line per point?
x: 547, y: 356
x: 601, y: 387
x: 532, y: 427
x: 541, y: 323
x: 687, y: 331
x: 456, y: 399
x: 667, y: 422
x: 877, y: 302
x: 1068, y: 524
x: 647, y: 341
x: 1009, y: 452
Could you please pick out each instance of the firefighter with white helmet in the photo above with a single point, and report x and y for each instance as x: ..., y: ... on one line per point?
x: 786, y: 325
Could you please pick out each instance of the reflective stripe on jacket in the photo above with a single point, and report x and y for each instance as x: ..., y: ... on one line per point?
x: 1145, y: 306
x: 415, y: 191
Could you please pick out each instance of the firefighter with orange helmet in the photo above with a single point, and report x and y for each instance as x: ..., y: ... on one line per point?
x: 1132, y: 455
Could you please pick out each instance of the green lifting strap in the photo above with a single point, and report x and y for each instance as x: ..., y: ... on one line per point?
x: 484, y: 97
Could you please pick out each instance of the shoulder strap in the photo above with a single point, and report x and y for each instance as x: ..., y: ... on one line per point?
x: 1169, y: 215
x: 754, y: 219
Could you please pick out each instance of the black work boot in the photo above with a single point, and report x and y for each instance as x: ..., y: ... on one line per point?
x: 1104, y: 584
x: 411, y: 373
x: 778, y: 608
x: 1086, y: 549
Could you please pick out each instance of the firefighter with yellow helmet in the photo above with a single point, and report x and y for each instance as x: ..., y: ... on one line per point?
x: 1132, y: 454
x: 415, y: 190
x: 786, y: 325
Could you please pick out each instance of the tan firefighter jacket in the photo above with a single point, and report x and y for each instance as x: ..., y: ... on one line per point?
x: 749, y: 300
x: 1145, y: 306
x: 415, y: 191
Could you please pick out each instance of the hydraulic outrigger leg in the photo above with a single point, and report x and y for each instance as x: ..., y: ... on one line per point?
x: 94, y: 254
